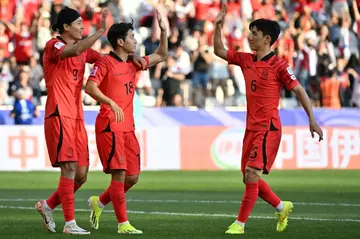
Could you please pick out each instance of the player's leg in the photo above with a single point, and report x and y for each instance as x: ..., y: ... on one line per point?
x: 132, y: 154
x: 251, y: 180
x: 52, y: 138
x: 67, y: 198
x: 108, y: 151
x: 284, y: 208
x: 83, y: 164
x: 68, y: 159
x: 63, y: 153
x: 111, y: 147
x: 118, y: 199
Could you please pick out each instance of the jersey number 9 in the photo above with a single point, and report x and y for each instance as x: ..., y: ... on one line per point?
x: 75, y: 74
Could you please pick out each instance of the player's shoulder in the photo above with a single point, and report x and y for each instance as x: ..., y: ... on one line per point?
x: 278, y: 63
x: 55, y: 42
x: 104, y: 62
x: 244, y: 55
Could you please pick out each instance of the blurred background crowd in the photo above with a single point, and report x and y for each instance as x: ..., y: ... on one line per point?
x: 319, y: 40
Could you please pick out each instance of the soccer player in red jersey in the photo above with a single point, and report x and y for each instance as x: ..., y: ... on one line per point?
x: 65, y: 133
x: 112, y: 83
x: 264, y: 74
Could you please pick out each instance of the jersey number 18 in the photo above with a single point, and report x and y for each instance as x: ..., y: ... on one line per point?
x: 129, y: 88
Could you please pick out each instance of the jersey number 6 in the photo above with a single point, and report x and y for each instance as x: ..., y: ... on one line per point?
x: 253, y: 85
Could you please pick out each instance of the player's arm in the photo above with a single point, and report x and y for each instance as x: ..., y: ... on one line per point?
x: 288, y: 78
x: 92, y: 88
x: 219, y: 48
x: 83, y: 45
x: 162, y: 52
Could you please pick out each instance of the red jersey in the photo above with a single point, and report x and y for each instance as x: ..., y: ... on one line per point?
x: 264, y: 80
x: 64, y: 79
x: 116, y: 80
x: 23, y: 47
x: 7, y: 10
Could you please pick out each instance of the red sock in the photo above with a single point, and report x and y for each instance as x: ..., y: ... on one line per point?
x: 105, y: 198
x: 127, y: 187
x: 54, y: 200
x: 248, y: 201
x: 118, y: 199
x: 67, y: 198
x: 267, y: 194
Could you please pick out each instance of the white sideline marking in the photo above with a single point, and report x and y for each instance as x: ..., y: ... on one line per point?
x: 199, y: 214
x: 195, y: 201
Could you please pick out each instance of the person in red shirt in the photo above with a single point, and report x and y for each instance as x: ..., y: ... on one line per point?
x: 66, y: 139
x: 264, y: 74
x: 112, y: 83
x: 65, y: 134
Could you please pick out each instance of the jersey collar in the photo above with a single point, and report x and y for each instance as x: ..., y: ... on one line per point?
x: 116, y: 57
x: 265, y: 58
x: 60, y: 38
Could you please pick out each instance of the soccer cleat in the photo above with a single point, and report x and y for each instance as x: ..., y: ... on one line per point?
x: 73, y: 229
x: 127, y: 228
x: 283, y: 216
x: 235, y: 228
x: 47, y: 216
x: 95, y: 211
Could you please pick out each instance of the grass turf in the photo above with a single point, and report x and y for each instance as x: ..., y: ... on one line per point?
x: 192, y: 205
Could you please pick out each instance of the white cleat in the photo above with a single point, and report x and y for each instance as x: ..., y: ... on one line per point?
x: 47, y: 217
x: 73, y: 229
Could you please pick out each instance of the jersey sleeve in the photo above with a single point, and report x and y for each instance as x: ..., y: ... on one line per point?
x: 286, y: 76
x: 238, y: 58
x: 92, y: 56
x: 56, y: 47
x: 98, y: 72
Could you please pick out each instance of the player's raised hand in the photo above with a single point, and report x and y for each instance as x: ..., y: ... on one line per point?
x: 104, y: 15
x: 314, y: 127
x: 221, y: 16
x: 118, y: 112
x: 160, y: 21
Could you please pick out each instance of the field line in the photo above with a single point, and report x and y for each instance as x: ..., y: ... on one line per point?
x: 185, y: 214
x: 325, y: 204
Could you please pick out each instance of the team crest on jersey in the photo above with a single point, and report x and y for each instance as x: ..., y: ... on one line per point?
x: 58, y: 45
x: 93, y: 72
x: 265, y: 73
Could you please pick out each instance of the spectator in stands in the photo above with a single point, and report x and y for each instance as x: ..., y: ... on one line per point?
x: 24, y: 110
x: 22, y: 82
x: 201, y: 59
x: 36, y: 75
x: 315, y: 34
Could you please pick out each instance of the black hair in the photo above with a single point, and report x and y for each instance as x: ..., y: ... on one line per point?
x: 119, y: 31
x: 66, y: 16
x: 267, y: 27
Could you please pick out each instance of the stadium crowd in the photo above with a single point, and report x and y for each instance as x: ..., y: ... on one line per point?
x: 319, y: 40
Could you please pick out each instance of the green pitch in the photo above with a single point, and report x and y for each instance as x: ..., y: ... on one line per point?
x: 193, y: 205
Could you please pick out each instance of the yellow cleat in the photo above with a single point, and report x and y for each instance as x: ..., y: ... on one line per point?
x: 235, y: 228
x: 128, y: 229
x: 283, y: 216
x: 95, y: 211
